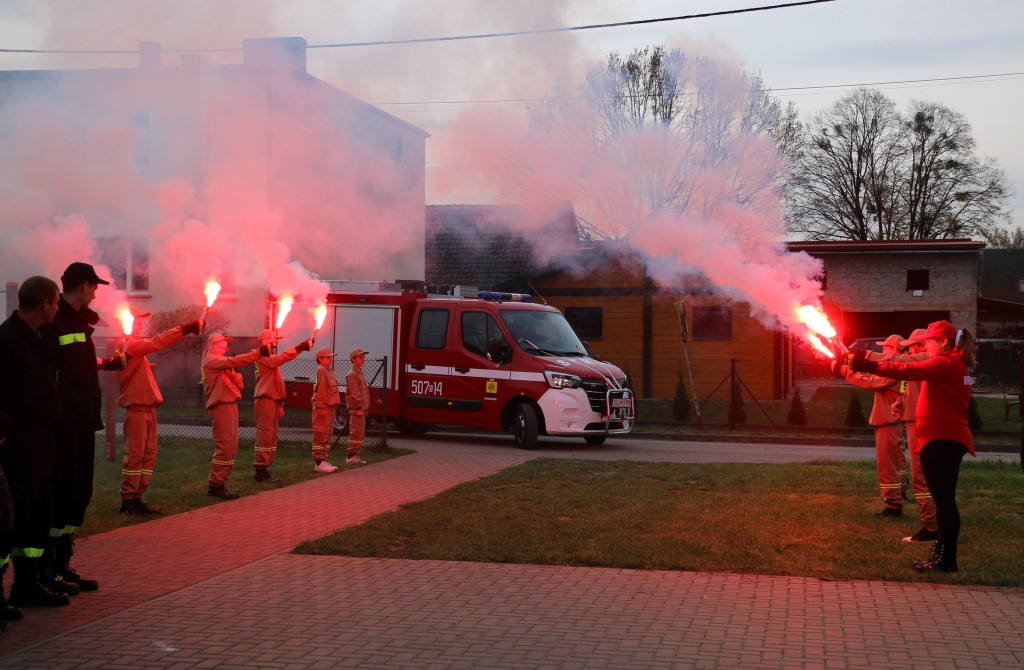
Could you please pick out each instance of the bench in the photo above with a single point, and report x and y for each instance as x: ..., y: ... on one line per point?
x: 1011, y: 399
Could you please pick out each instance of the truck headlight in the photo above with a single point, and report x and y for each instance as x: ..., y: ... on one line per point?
x: 561, y: 380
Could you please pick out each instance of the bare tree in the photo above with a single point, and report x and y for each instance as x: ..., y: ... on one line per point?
x: 866, y: 172
x: 659, y: 131
x: 1003, y: 238
x: 948, y: 191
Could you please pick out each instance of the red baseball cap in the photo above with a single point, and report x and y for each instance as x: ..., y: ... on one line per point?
x: 937, y: 329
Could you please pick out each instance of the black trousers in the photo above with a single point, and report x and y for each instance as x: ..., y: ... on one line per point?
x: 73, y: 465
x: 940, y: 460
x: 26, y: 458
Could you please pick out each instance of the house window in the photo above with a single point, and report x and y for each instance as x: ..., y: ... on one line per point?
x: 128, y: 260
x: 917, y: 280
x: 432, y: 329
x: 712, y: 323
x: 586, y: 321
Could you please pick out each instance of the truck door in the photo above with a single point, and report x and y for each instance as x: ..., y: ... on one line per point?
x: 428, y: 366
x: 479, y: 385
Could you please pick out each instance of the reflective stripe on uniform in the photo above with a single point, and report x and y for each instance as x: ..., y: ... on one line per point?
x: 216, y: 462
x: 27, y: 552
x: 71, y: 338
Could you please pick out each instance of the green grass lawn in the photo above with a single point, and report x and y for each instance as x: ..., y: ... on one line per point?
x: 810, y: 519
x: 182, y: 470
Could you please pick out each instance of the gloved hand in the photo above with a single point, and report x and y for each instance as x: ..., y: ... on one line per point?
x: 861, y: 363
x: 113, y: 363
x: 305, y: 345
x: 192, y: 327
x: 265, y: 350
x: 837, y: 367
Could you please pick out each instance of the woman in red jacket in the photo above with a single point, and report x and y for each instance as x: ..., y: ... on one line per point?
x: 943, y: 436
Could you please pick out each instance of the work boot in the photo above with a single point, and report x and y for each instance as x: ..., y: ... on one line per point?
x: 895, y: 512
x: 126, y: 507
x: 222, y: 493
x: 57, y: 584
x: 28, y: 591
x: 65, y: 549
x: 139, y: 507
x: 943, y: 559
x: 263, y: 475
x: 8, y: 612
x: 47, y: 571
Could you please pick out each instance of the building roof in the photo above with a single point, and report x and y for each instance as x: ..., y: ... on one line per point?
x: 876, y: 246
x: 482, y: 246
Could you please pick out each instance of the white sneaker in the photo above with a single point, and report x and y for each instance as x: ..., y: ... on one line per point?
x: 354, y: 460
x: 324, y: 466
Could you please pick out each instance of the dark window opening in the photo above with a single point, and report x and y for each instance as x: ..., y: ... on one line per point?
x: 586, y: 321
x: 432, y: 329
x: 917, y: 280
x: 712, y: 323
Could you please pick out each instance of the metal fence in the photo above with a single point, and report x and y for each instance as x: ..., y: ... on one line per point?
x: 740, y: 397
x: 183, y: 413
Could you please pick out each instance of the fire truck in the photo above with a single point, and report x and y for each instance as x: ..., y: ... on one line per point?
x: 497, y: 362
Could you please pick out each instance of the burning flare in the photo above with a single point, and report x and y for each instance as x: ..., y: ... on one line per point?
x: 818, y: 325
x: 211, y: 291
x: 320, y: 313
x: 125, y: 316
x: 284, y: 305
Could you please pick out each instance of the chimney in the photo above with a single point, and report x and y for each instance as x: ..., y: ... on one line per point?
x: 288, y: 52
x: 149, y: 56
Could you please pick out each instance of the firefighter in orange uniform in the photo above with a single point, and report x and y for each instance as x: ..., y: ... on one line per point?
x: 268, y: 404
x: 907, y: 410
x: 222, y: 386
x: 357, y: 396
x: 140, y: 396
x: 891, y: 463
x: 326, y: 398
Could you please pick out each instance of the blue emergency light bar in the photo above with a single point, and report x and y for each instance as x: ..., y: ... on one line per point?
x: 510, y: 297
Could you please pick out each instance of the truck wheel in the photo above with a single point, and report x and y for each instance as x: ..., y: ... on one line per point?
x: 596, y: 440
x: 341, y: 419
x: 524, y: 426
x: 411, y: 427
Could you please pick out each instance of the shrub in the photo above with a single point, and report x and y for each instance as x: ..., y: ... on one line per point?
x: 797, y: 414
x: 736, y: 412
x: 855, y: 412
x: 681, y: 405
x: 974, y: 421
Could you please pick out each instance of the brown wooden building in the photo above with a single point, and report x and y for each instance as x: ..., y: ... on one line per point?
x: 629, y: 319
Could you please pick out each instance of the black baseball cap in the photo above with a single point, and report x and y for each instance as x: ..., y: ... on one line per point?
x: 79, y: 273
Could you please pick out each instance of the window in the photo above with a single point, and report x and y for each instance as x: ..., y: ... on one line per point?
x: 586, y: 321
x: 917, y: 280
x: 432, y: 329
x: 479, y: 329
x: 712, y: 323
x: 128, y: 260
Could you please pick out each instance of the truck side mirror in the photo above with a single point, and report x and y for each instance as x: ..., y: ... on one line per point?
x: 499, y: 352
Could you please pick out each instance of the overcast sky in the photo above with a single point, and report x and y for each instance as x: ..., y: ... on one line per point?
x: 844, y: 42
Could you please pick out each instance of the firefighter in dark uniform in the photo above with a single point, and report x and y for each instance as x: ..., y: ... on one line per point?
x: 30, y: 398
x: 81, y: 416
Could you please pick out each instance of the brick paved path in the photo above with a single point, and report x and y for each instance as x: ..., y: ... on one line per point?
x: 217, y: 591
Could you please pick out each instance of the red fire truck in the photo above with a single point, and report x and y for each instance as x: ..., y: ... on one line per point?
x: 497, y: 362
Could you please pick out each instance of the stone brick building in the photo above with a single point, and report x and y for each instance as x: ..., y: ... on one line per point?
x: 874, y: 288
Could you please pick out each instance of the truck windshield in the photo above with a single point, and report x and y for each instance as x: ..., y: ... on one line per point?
x: 542, y: 333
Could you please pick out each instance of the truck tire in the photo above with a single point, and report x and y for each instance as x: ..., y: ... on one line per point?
x: 596, y: 440
x: 411, y: 427
x: 341, y: 419
x: 524, y: 425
